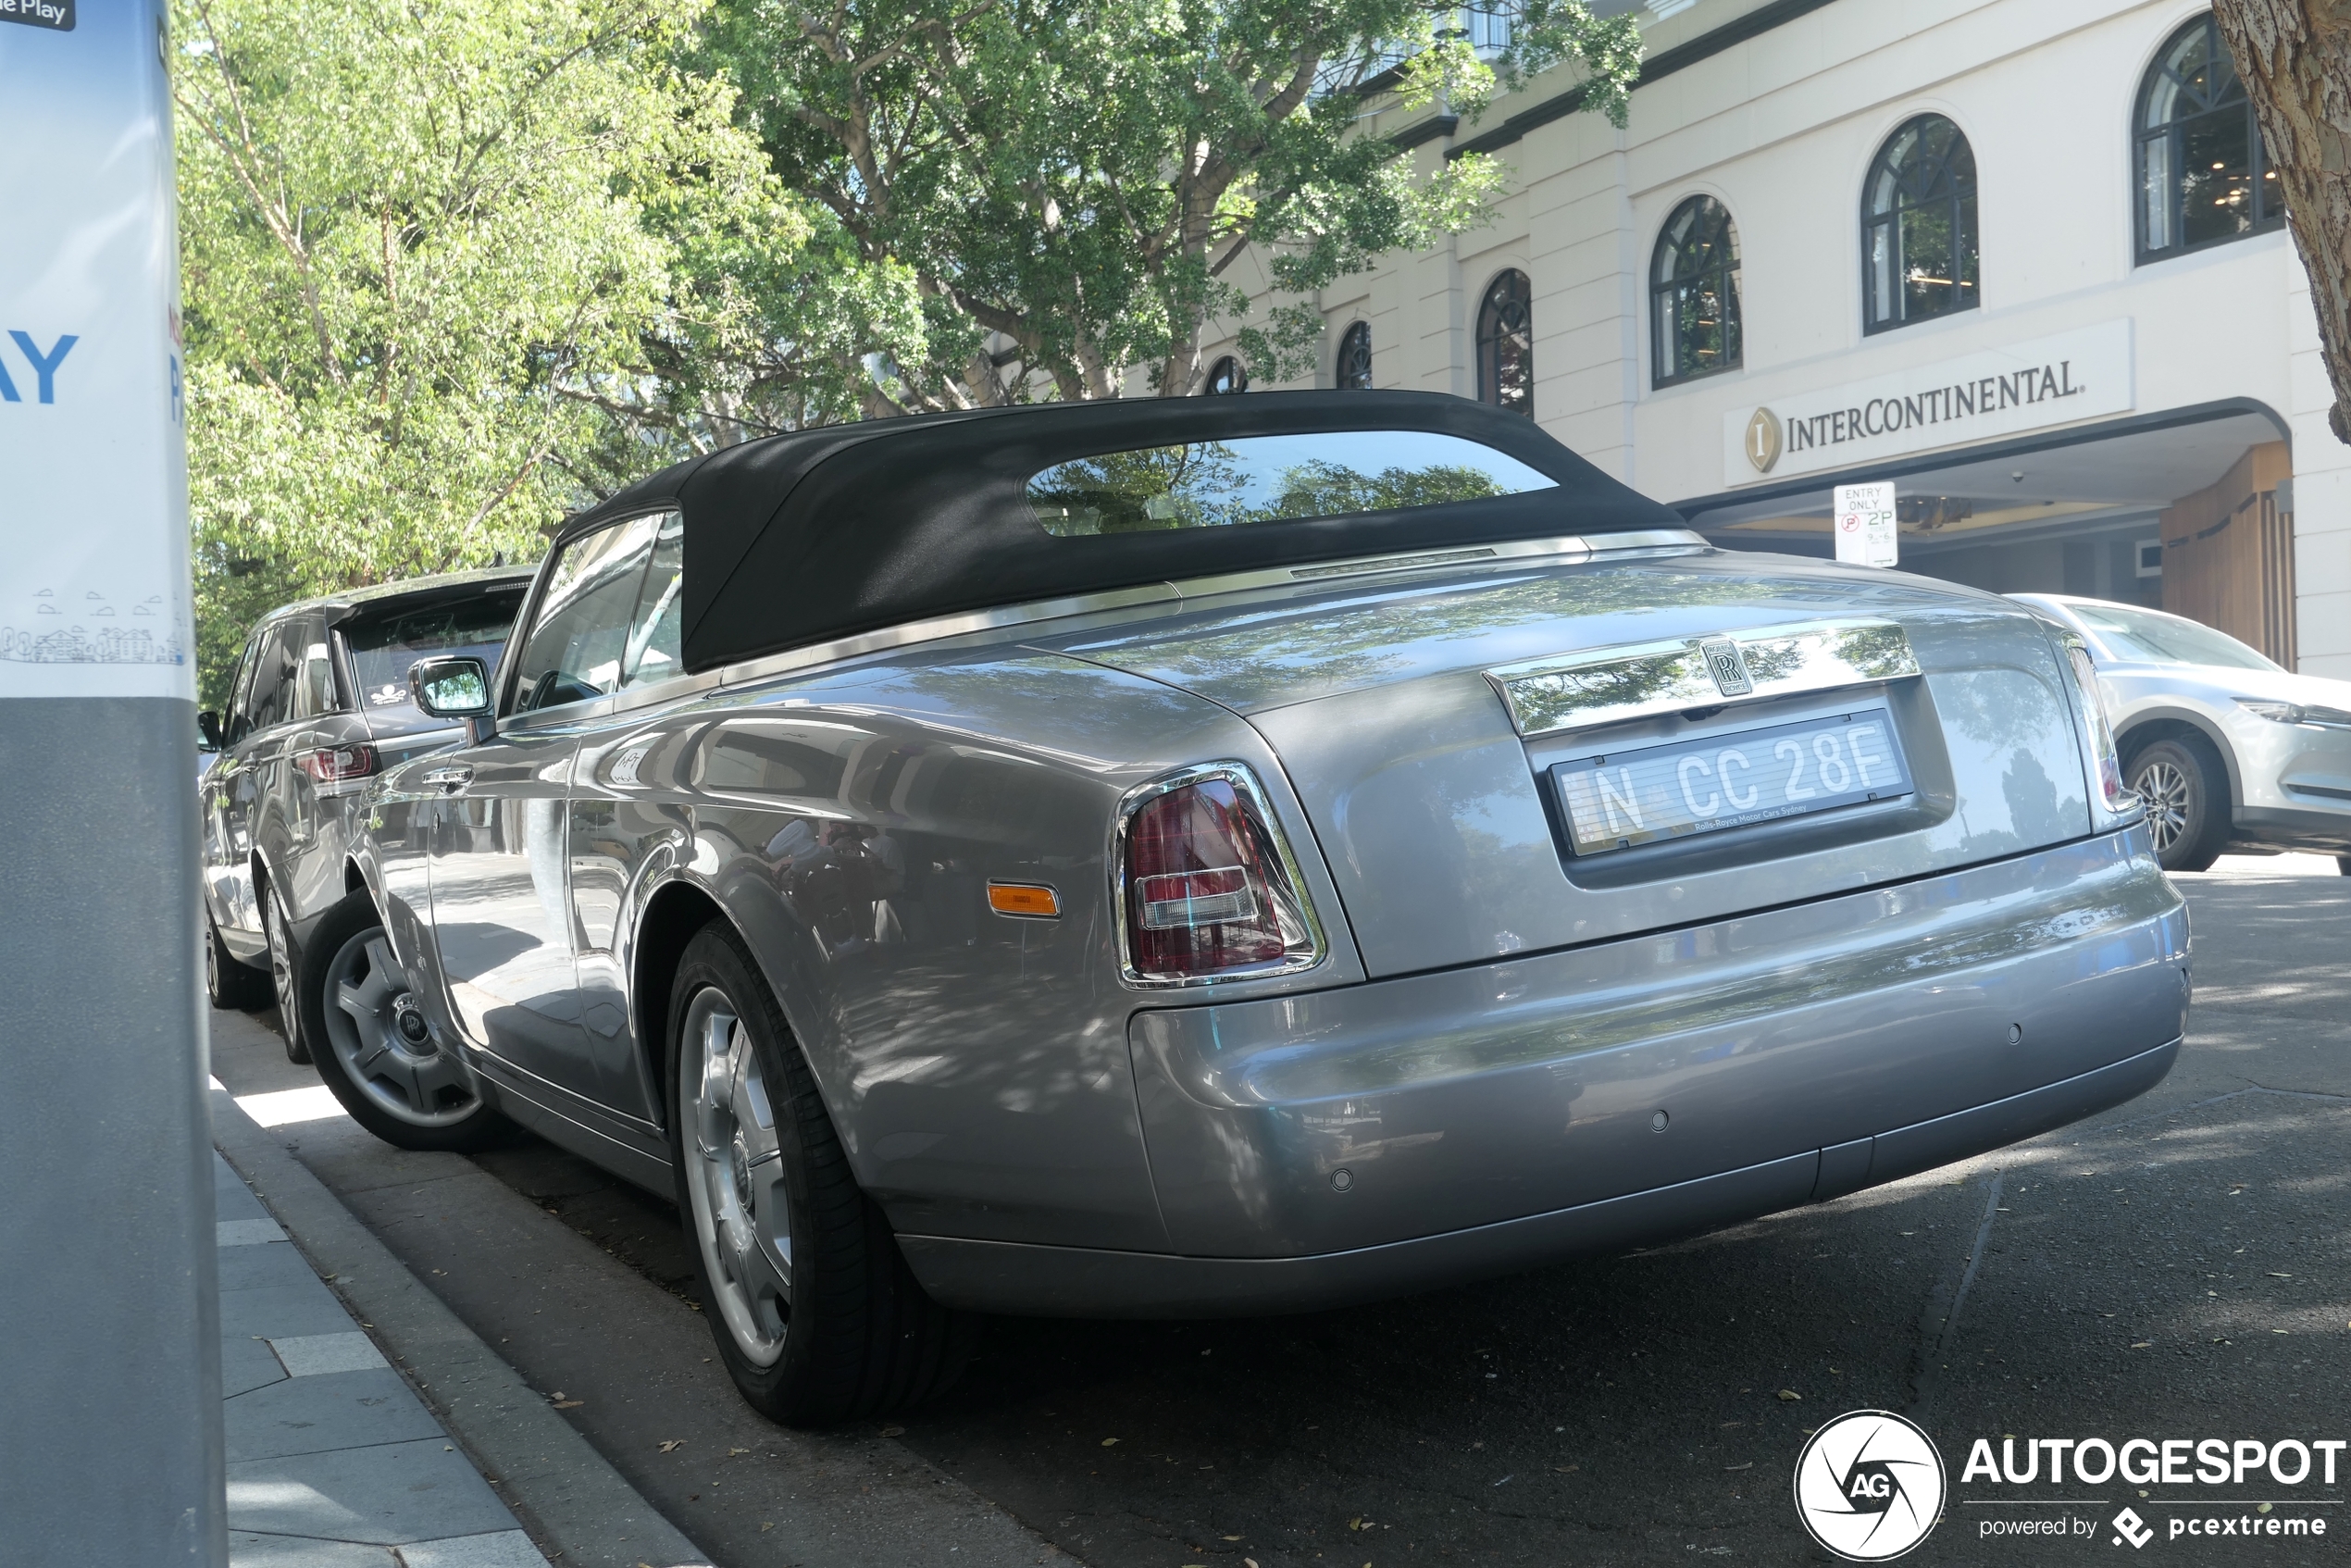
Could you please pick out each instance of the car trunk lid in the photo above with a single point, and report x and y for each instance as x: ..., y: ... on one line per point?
x: 1447, y: 830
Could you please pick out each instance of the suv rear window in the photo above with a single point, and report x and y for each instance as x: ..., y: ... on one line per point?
x: 382, y: 650
x: 1271, y: 480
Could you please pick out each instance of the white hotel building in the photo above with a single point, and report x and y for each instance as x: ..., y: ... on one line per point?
x: 2020, y: 256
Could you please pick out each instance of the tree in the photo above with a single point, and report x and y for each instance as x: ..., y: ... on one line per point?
x: 451, y: 269
x: 2295, y: 58
x: 1068, y: 185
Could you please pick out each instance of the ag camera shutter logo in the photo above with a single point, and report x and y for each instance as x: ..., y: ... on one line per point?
x: 1869, y: 1486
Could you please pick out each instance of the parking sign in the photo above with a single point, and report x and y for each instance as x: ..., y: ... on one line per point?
x: 1864, y: 520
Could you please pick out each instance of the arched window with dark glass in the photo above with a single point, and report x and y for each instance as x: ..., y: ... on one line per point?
x: 1506, y: 345
x: 1227, y: 375
x: 2203, y: 174
x: 1353, y: 370
x: 1694, y: 293
x: 1918, y: 254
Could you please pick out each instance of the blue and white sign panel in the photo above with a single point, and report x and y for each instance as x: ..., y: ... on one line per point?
x: 93, y: 481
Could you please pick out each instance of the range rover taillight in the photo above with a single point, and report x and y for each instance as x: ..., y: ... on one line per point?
x: 337, y: 767
x: 1206, y: 885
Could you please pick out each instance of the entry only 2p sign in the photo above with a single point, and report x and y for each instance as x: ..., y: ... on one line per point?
x: 1864, y: 520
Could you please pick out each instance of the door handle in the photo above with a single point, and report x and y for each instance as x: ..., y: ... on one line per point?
x: 451, y: 779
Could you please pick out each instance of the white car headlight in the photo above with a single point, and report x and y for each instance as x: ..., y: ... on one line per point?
x: 2295, y: 713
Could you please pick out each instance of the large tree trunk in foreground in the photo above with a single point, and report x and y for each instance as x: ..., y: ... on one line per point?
x: 2295, y: 56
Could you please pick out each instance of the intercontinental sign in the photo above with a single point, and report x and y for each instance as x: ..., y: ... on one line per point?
x: 2052, y: 380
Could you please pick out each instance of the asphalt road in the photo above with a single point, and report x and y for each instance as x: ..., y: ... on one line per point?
x: 2177, y: 1269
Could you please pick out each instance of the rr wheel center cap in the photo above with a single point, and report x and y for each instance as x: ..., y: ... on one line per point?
x: 408, y: 1021
x: 738, y: 1164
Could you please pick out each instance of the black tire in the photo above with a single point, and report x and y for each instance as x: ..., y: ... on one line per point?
x: 2187, y: 790
x: 285, y: 973
x: 854, y: 1335
x: 349, y: 942
x: 229, y: 984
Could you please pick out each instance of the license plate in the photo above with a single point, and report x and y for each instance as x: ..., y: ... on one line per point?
x: 1703, y: 785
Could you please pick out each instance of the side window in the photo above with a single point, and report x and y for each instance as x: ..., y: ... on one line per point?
x: 653, y: 652
x: 240, y: 696
x: 270, y: 701
x: 609, y: 619
x: 314, y: 681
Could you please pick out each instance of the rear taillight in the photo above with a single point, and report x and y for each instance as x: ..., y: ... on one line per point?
x: 2112, y: 800
x: 337, y: 767
x: 1206, y: 885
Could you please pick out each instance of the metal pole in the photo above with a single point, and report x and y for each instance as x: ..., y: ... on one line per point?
x: 110, y: 1421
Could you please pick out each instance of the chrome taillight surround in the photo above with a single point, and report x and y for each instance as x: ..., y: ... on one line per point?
x: 1306, y: 949
x: 2112, y: 805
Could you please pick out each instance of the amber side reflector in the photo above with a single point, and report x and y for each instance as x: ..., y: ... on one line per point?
x: 1021, y: 898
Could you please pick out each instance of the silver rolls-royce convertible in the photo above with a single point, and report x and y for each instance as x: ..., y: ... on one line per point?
x: 1228, y: 856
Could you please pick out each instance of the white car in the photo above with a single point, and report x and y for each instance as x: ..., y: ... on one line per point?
x: 2227, y: 748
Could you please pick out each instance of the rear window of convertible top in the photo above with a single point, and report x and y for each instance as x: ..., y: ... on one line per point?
x: 1269, y: 480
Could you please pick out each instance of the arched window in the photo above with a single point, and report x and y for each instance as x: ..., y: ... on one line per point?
x: 2203, y: 175
x: 1919, y: 257
x: 1506, y: 345
x: 1694, y: 293
x: 1354, y: 367
x: 1227, y: 375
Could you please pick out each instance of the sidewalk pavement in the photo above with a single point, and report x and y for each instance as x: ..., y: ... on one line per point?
x: 333, y: 1462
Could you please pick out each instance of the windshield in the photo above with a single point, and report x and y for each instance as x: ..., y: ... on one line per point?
x: 1271, y: 480
x: 381, y: 651
x: 2151, y: 637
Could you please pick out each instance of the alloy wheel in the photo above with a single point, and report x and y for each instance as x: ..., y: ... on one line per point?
x: 282, y: 976
x: 735, y: 1176
x: 284, y: 985
x: 2168, y: 794
x: 383, y: 1040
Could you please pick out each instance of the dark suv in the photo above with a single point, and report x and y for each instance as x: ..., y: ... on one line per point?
x: 319, y: 704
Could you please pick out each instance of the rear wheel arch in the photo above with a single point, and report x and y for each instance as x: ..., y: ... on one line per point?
x: 676, y: 912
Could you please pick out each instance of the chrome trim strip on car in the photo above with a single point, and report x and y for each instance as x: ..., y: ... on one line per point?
x: 1244, y: 783
x: 1569, y: 549
x: 1643, y: 679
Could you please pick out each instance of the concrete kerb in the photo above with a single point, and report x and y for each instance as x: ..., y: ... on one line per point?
x: 579, y: 1508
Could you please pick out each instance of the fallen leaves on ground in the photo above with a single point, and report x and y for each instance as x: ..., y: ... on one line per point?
x: 669, y: 1443
x: 1790, y: 1396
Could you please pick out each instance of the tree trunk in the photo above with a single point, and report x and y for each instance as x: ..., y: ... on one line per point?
x: 2295, y: 56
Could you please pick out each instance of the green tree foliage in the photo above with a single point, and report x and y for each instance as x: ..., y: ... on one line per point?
x: 1077, y: 179
x: 451, y: 268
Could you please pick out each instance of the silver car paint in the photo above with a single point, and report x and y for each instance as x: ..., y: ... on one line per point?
x: 1502, y: 1089
x: 2290, y: 783
x: 1428, y: 804
x: 990, y: 1076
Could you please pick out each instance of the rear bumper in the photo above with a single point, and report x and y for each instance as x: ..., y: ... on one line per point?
x: 1496, y: 1115
x: 1003, y: 1276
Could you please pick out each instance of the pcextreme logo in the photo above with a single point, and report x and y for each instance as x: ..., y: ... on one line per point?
x: 1869, y: 1486
x: 43, y: 364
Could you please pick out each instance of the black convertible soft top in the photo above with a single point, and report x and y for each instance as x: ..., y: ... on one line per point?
x: 799, y: 539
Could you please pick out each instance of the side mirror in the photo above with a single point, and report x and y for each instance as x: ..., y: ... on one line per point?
x: 209, y: 730
x: 454, y: 688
